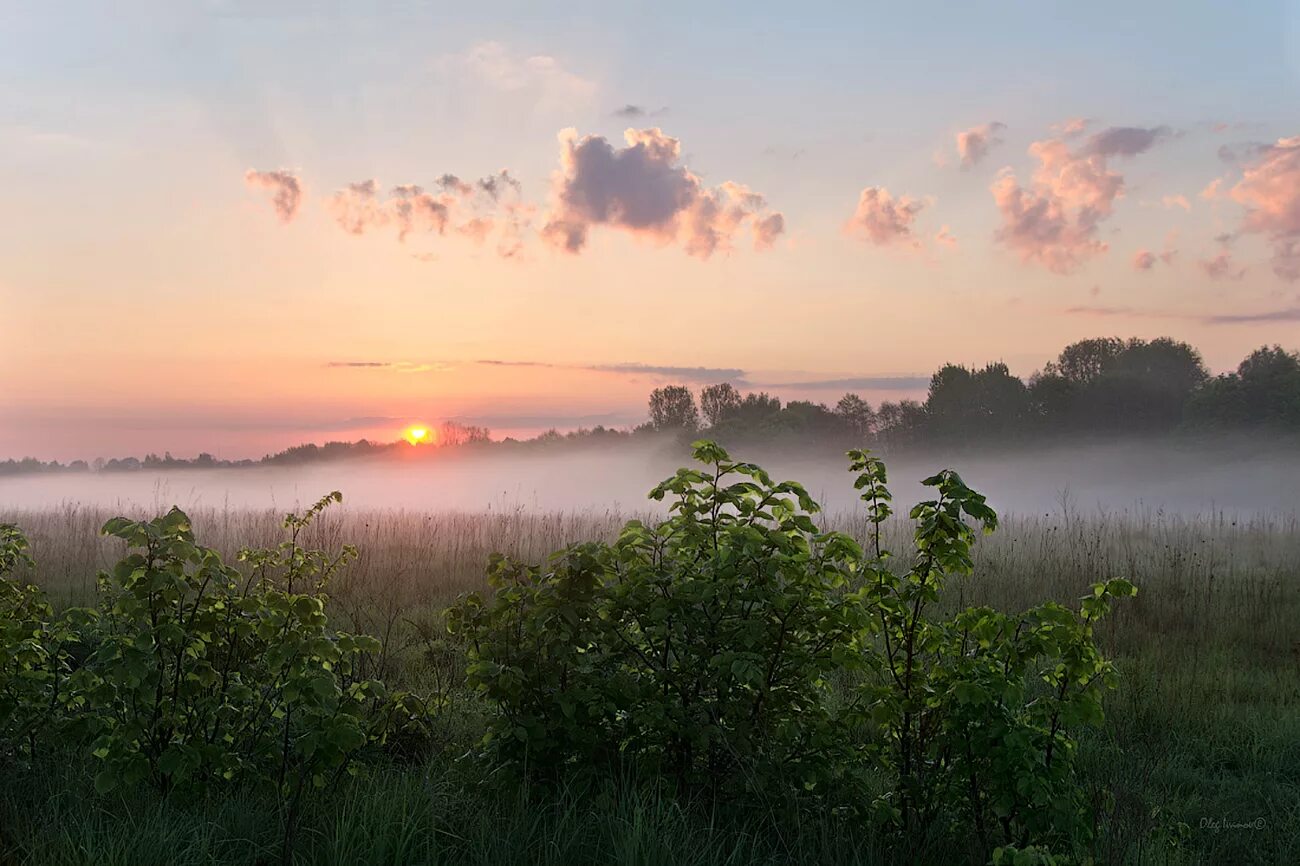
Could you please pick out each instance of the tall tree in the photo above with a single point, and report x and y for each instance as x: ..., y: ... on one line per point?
x: 1263, y: 392
x: 986, y: 402
x: 1084, y: 362
x: 857, y: 415
x: 673, y: 408
x: 719, y: 402
x: 758, y: 408
x: 1146, y: 386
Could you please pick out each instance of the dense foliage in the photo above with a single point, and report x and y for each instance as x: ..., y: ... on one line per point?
x: 191, y: 674
x: 736, y: 646
x: 1096, y: 388
x: 699, y: 649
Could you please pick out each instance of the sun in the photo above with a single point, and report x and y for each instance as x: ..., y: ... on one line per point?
x: 417, y: 434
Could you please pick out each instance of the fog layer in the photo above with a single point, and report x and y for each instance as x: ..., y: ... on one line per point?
x: 1237, y: 477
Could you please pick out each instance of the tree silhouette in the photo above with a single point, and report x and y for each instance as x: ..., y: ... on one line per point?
x: 1263, y: 392
x: 719, y: 402
x: 673, y: 408
x: 857, y: 415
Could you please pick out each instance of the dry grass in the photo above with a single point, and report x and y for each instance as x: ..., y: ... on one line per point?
x: 1208, y: 580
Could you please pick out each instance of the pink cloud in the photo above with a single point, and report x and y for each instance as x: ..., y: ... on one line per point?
x: 945, y: 236
x: 477, y: 228
x: 1071, y: 127
x: 644, y: 189
x: 1269, y: 190
x: 974, y: 144
x: 413, y: 209
x: 1172, y: 201
x: 884, y: 220
x: 1054, y: 221
x: 357, y: 207
x: 1144, y: 260
x: 473, y: 210
x: 767, y: 229
x: 285, y: 188
x: 1221, y: 267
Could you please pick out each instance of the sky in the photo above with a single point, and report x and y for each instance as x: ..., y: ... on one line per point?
x: 233, y: 227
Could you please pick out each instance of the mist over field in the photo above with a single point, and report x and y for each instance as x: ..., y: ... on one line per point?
x: 1235, y: 476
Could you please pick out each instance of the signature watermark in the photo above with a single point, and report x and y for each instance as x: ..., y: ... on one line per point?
x: 1219, y: 825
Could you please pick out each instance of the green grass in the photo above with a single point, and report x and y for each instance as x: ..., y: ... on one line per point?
x: 1199, y: 761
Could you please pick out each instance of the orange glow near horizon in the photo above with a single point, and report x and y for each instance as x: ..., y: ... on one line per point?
x: 418, y: 434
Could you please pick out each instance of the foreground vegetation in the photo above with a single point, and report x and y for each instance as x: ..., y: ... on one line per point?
x: 809, y: 735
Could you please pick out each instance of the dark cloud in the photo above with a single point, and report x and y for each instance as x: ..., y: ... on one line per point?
x: 685, y: 374
x: 1125, y: 140
x: 1242, y: 151
x: 492, y: 362
x: 643, y: 189
x: 395, y: 366
x: 607, y: 419
x: 494, y: 185
x: 637, y: 112
x: 865, y: 383
x: 1286, y: 314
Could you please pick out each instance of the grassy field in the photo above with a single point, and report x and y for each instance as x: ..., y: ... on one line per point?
x: 1199, y: 761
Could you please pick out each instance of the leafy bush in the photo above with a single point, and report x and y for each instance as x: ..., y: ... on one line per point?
x: 706, y: 650
x: 698, y: 649
x: 973, y: 712
x: 201, y: 675
x: 27, y: 673
x: 191, y: 673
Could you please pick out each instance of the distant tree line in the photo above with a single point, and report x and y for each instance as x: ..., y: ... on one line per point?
x: 449, y: 434
x: 1095, y: 388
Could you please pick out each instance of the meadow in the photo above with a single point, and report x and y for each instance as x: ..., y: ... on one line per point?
x: 1198, y: 760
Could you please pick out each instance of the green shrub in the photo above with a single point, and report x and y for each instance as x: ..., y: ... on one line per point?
x: 697, y: 650
x: 201, y: 675
x: 705, y: 650
x: 191, y: 674
x: 972, y: 713
x: 27, y: 673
